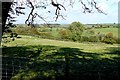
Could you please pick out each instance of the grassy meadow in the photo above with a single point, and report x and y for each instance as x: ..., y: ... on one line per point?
x: 31, y: 40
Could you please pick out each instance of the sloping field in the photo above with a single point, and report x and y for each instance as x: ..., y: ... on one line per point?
x: 86, y: 46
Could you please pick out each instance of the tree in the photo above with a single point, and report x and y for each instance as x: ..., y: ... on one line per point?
x: 5, y: 10
x: 33, y: 4
x: 109, y: 38
x: 76, y: 29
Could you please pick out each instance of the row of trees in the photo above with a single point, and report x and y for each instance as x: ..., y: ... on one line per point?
x: 75, y: 32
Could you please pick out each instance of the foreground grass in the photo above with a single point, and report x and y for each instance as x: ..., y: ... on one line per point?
x: 62, y: 60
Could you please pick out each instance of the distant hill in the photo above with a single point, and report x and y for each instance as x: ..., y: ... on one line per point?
x: 67, y: 25
x: 102, y: 25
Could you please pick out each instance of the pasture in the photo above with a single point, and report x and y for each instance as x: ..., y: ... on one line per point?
x: 107, y: 30
x: 85, y: 46
x: 47, y: 59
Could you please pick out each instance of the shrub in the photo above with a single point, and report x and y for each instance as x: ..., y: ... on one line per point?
x: 64, y: 34
x: 109, y: 39
x: 118, y: 40
x: 26, y: 30
x: 90, y: 38
x: 33, y: 31
x: 92, y: 32
x: 84, y: 38
x: 109, y: 35
x: 93, y: 39
x: 45, y: 34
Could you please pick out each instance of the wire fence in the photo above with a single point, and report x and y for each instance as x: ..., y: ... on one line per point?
x: 11, y: 65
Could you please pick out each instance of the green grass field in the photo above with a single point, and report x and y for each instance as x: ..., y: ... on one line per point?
x: 61, y: 60
x: 102, y: 30
x: 97, y: 47
x: 86, y: 46
x: 107, y: 30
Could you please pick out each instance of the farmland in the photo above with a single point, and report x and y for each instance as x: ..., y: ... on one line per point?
x: 107, y: 30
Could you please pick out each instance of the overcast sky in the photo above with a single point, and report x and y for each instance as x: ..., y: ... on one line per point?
x: 76, y: 13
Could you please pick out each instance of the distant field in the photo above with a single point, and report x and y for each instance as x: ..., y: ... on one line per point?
x: 102, y: 31
x: 107, y: 30
x: 55, y: 31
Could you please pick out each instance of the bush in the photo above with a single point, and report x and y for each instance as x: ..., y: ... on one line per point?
x: 92, y: 32
x: 64, y: 34
x: 45, y: 34
x: 109, y: 38
x: 93, y: 39
x: 26, y: 30
x: 33, y: 31
x: 84, y: 38
x: 109, y: 35
x: 118, y: 40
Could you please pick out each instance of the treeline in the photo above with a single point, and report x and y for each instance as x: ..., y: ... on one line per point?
x: 102, y: 25
x: 72, y: 33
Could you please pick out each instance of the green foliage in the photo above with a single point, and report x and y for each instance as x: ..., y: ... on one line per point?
x: 44, y: 29
x: 74, y: 32
x: 92, y: 32
x: 107, y: 30
x: 93, y: 39
x: 33, y: 31
x: 109, y: 35
x: 76, y: 29
x: 85, y: 38
x: 26, y: 30
x: 109, y: 38
x: 118, y: 40
x: 64, y: 34
x: 90, y: 38
x: 45, y: 34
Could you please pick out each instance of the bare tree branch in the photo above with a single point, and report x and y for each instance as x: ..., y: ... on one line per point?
x: 57, y: 13
x: 58, y: 6
x: 31, y: 13
x: 93, y: 4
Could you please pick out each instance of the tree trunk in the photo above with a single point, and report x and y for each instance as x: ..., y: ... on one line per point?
x: 5, y: 10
